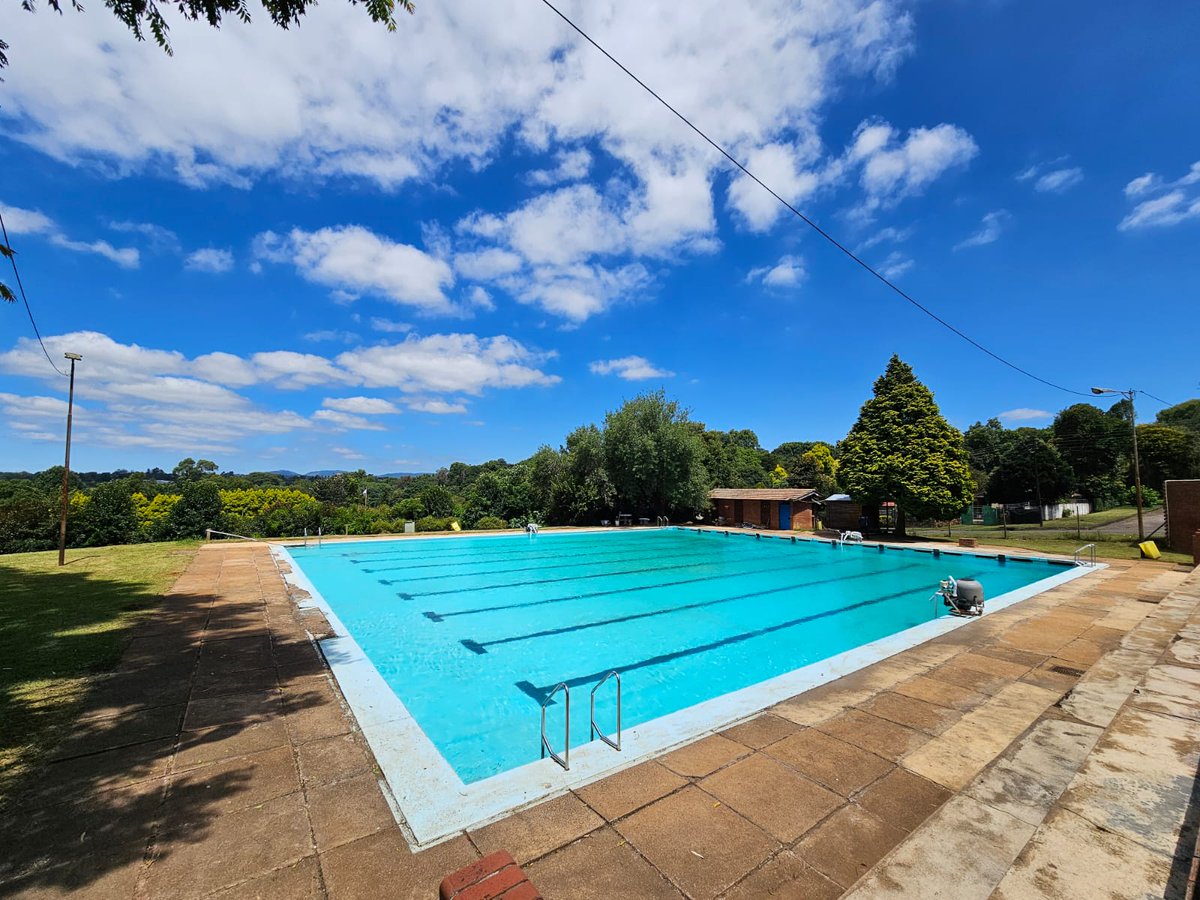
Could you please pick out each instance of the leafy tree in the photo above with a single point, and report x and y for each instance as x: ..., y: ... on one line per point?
x: 582, y: 492
x: 199, y: 507
x: 817, y: 468
x: 438, y: 502
x: 653, y: 458
x: 1030, y: 469
x: 193, y: 470
x: 141, y: 16
x: 109, y: 516
x: 1185, y: 416
x: 777, y: 478
x: 1166, y: 453
x: 1093, y: 443
x: 28, y: 517
x: 902, y: 449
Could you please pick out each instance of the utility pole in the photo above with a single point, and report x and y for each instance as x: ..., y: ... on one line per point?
x: 62, y: 520
x: 1137, y: 468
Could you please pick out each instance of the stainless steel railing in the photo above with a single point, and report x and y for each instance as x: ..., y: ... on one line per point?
x: 596, y: 732
x: 565, y: 759
x: 1083, y: 549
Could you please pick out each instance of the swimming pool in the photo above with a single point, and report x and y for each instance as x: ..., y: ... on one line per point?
x: 471, y: 634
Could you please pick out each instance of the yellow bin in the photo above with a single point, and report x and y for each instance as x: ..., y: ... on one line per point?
x: 1149, y: 549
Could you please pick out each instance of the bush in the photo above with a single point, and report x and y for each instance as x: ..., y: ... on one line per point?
x: 490, y: 523
x: 199, y: 507
x: 270, y: 511
x: 153, y: 515
x: 109, y: 517
x: 434, y: 523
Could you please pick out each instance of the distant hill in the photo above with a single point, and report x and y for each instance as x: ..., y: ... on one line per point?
x: 284, y: 473
x: 323, y: 473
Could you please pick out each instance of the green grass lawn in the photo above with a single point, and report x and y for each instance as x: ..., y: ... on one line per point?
x: 61, y: 626
x: 1091, y: 520
x: 1108, y: 546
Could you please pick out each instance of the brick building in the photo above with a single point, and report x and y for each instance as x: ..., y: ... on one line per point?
x: 788, y: 509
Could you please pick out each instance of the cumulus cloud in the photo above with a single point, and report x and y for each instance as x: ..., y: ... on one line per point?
x: 135, y: 396
x: 363, y: 406
x: 1168, y: 202
x: 1052, y: 177
x: 895, y: 265
x: 20, y: 221
x: 209, y: 259
x: 631, y: 368
x: 572, y: 165
x: 892, y: 167
x: 1024, y: 414
x: 990, y: 229
x: 437, y: 407
x: 355, y: 260
x: 787, y: 273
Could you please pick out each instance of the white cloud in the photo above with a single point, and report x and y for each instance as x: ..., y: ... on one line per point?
x: 990, y: 229
x: 351, y: 258
x: 160, y: 238
x: 1176, y: 201
x: 331, y: 334
x: 485, y: 265
x: 34, y: 222
x: 893, y: 168
x: 631, y: 368
x: 782, y: 167
x: 572, y: 166
x: 1058, y: 181
x: 885, y: 235
x: 447, y: 363
x: 787, y: 273
x: 480, y: 298
x: 895, y: 265
x: 364, y: 406
x: 209, y: 259
x: 134, y: 396
x: 341, y: 421
x: 388, y: 326
x: 437, y: 407
x: 1024, y: 414
x: 347, y: 453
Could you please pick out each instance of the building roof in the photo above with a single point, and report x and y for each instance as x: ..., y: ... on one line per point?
x: 838, y: 498
x: 762, y: 494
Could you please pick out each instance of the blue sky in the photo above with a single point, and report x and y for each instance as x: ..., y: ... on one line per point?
x: 335, y: 247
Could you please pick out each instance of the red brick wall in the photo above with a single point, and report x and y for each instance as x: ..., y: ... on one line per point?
x: 1183, y: 513
x: 802, y: 516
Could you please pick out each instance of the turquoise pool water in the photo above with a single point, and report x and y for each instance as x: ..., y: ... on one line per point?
x: 471, y: 633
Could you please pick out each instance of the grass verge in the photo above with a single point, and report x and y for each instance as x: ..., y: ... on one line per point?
x: 1106, y: 546
x: 59, y: 627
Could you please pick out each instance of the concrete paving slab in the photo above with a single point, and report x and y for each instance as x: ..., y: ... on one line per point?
x: 913, y: 713
x: 704, y: 757
x: 1026, y: 782
x: 846, y: 845
x: 873, y: 734
x: 700, y: 844
x: 902, y: 799
x: 961, y: 853
x: 774, y: 797
x: 301, y: 881
x: 631, y: 789
x: 785, y: 876
x: 382, y: 865
x: 536, y: 831
x: 1070, y: 857
x: 940, y: 693
x: 599, y: 866
x: 760, y: 731
x: 839, y: 766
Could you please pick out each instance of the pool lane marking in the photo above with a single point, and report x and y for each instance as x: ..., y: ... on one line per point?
x: 540, y: 568
x: 539, y: 693
x: 407, y: 595
x: 514, y: 541
x: 481, y: 646
x: 438, y: 617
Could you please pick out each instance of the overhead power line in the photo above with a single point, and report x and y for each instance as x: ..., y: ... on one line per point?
x: 809, y: 222
x: 1159, y: 399
x: 12, y: 258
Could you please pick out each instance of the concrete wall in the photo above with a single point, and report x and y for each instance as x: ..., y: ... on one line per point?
x: 1183, y: 513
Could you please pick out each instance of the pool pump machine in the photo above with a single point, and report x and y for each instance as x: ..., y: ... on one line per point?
x: 963, y: 597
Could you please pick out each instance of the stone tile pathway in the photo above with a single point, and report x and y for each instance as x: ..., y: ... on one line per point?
x: 1048, y: 750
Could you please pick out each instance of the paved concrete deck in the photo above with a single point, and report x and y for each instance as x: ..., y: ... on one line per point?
x: 1047, y: 750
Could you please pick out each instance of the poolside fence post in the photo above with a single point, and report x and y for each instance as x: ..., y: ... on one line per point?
x: 208, y: 534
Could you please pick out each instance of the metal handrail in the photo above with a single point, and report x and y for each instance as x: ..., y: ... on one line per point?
x: 565, y: 759
x: 596, y: 732
x: 1078, y: 561
x: 209, y: 532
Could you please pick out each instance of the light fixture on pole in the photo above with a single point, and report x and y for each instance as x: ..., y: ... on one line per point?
x: 1137, y: 468
x: 62, y: 520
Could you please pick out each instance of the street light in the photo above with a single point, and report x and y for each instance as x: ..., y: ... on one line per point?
x: 62, y: 520
x: 1137, y: 469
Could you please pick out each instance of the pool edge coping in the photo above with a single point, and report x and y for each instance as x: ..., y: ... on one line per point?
x: 432, y: 804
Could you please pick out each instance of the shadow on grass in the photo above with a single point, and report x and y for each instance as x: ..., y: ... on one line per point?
x: 107, y: 767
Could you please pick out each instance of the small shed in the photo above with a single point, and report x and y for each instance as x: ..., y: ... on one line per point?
x: 842, y: 513
x: 788, y: 509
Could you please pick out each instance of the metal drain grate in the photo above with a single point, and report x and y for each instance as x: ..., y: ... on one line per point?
x: 1067, y: 670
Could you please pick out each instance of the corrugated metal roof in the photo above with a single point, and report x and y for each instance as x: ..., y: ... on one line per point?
x: 761, y: 493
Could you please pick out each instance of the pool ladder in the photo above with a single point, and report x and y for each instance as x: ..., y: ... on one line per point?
x: 564, y: 759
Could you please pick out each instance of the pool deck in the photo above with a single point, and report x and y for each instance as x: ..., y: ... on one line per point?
x: 1049, y: 749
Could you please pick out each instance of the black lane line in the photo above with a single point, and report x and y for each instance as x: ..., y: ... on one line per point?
x: 495, y: 556
x: 637, y: 557
x: 515, y: 541
x: 438, y: 617
x: 539, y: 693
x: 511, y: 584
x: 481, y: 646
